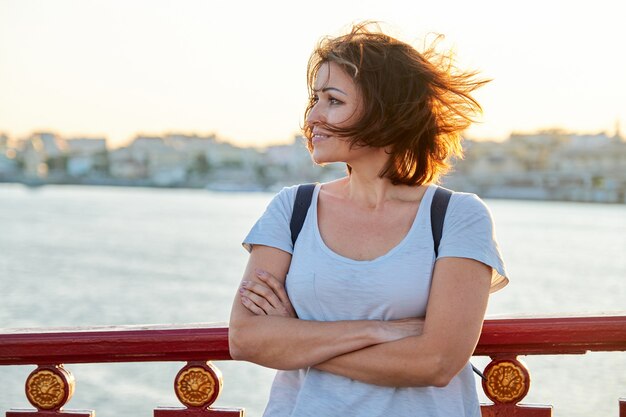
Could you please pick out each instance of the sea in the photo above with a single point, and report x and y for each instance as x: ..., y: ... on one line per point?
x: 86, y: 256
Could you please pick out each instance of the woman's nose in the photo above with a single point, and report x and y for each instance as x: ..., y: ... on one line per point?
x: 315, y: 116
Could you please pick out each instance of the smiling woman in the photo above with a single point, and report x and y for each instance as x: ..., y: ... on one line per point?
x: 360, y: 313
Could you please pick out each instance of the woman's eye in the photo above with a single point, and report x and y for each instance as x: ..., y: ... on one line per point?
x: 330, y: 100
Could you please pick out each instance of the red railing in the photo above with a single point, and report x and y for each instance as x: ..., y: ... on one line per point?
x: 198, y: 383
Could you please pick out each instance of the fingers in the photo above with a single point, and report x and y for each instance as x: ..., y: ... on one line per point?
x: 267, y: 297
x: 247, y: 303
x: 264, y: 298
x: 262, y: 291
x: 257, y: 299
x: 277, y: 287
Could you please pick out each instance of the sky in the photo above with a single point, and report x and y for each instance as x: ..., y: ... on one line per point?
x: 118, y: 68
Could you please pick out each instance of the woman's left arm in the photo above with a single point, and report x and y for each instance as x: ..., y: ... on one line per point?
x: 453, y: 322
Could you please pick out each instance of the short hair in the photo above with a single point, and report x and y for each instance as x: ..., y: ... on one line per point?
x: 415, y: 104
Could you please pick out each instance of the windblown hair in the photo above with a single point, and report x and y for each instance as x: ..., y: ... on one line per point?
x: 415, y: 104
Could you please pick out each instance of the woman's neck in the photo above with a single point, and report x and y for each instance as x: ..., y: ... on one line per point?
x: 365, y: 187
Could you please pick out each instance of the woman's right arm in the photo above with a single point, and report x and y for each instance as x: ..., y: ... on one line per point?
x: 289, y: 343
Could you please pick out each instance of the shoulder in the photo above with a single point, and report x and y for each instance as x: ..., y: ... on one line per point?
x: 272, y: 228
x: 469, y: 232
x: 288, y: 193
x: 284, y: 199
x: 468, y: 205
x: 468, y: 213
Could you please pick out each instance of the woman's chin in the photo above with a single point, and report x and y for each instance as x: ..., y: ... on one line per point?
x: 321, y: 159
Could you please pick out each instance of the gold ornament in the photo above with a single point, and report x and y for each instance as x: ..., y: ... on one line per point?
x: 195, y: 386
x: 48, y: 390
x: 507, y: 381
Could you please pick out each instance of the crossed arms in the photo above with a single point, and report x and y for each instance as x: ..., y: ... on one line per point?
x: 413, y: 352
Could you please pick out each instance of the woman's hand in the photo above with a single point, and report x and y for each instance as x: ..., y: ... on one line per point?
x: 270, y: 299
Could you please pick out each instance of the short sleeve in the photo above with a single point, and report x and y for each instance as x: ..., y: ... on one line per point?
x: 469, y: 232
x: 272, y: 228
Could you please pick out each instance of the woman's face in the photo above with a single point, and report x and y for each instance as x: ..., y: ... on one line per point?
x: 337, y: 102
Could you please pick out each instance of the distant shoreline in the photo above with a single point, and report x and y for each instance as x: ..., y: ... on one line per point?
x: 235, y: 188
x: 137, y: 184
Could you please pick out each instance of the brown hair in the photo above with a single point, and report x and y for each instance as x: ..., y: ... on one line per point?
x: 415, y: 104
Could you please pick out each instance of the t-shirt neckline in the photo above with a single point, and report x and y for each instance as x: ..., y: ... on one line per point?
x: 426, y: 201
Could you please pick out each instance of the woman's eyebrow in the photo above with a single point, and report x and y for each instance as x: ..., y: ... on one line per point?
x: 325, y: 89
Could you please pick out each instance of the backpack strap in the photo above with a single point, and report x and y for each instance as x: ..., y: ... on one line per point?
x: 304, y: 194
x: 438, y: 209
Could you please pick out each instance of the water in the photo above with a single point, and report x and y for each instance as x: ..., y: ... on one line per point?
x: 78, y: 256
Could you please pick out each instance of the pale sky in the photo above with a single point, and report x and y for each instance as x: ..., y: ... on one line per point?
x: 116, y: 68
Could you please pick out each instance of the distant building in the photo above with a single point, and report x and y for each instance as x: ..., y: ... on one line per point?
x: 8, y: 158
x: 550, y: 164
x: 4, y: 141
x: 86, y: 156
x: 190, y: 143
x: 169, y: 160
x: 43, y: 154
x: 86, y: 146
x: 140, y: 159
x: 122, y: 165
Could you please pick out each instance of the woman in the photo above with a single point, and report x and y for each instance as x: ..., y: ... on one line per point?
x: 373, y: 324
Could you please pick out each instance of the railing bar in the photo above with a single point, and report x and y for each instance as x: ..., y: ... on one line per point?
x: 525, y: 336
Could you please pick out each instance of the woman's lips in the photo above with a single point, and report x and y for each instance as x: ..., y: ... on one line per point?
x: 318, y: 137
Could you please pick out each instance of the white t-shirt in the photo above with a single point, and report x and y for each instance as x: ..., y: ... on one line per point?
x: 325, y: 286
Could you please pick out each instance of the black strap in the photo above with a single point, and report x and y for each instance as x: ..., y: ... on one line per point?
x: 438, y: 208
x: 300, y: 209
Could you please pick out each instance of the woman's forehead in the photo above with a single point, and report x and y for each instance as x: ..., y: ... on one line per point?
x: 331, y: 74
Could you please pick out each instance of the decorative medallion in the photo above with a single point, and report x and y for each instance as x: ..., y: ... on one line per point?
x: 198, y: 384
x: 49, y: 387
x: 507, y: 381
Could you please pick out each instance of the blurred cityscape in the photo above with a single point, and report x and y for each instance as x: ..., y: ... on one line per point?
x: 544, y: 165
